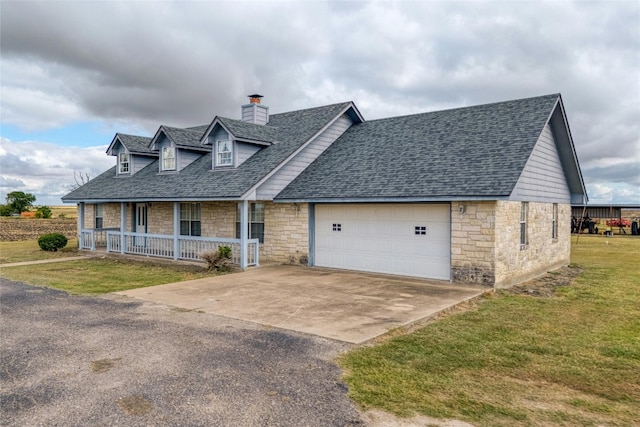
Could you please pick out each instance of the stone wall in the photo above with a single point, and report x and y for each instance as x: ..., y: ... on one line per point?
x: 110, y: 215
x: 159, y: 218
x: 219, y: 219
x: 286, y: 233
x: 515, y: 263
x: 89, y: 216
x: 472, y: 242
x: 485, y: 242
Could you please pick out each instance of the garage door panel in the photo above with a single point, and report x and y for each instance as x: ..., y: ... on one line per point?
x: 382, y: 238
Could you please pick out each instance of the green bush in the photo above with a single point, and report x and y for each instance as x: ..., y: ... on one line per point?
x: 6, y: 210
x: 225, y: 252
x: 52, y: 242
x: 43, y: 212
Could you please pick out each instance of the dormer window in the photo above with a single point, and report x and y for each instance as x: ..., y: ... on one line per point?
x: 168, y: 158
x: 224, y: 153
x: 123, y: 162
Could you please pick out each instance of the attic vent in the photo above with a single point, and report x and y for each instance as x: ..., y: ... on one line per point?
x: 254, y: 112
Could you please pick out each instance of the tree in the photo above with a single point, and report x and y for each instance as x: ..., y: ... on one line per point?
x: 20, y: 201
x: 43, y: 212
x: 80, y: 178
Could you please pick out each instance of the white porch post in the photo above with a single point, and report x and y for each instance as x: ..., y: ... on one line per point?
x: 244, y: 231
x: 80, y: 223
x: 176, y: 229
x: 123, y: 225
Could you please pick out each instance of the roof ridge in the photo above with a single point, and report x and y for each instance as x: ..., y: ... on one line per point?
x: 130, y: 134
x: 465, y: 108
x: 313, y: 108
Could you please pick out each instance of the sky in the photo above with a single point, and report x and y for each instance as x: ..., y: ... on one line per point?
x: 72, y: 74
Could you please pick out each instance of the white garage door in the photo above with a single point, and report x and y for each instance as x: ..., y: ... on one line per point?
x: 403, y: 239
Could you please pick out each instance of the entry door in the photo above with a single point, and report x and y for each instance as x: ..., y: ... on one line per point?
x: 141, y: 223
x: 404, y: 239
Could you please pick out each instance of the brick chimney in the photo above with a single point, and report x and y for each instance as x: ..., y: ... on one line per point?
x: 254, y: 112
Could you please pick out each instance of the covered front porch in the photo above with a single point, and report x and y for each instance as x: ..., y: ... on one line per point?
x: 127, y: 231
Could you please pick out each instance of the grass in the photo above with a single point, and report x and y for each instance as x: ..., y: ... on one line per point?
x: 67, y: 211
x: 573, y: 359
x: 30, y: 251
x: 91, y: 275
x: 99, y: 276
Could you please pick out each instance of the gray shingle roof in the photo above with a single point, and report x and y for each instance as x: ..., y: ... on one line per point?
x: 189, y: 138
x: 136, y: 144
x: 198, y: 181
x: 251, y: 131
x: 472, y: 152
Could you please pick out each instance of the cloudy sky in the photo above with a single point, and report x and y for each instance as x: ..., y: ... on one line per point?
x: 74, y: 73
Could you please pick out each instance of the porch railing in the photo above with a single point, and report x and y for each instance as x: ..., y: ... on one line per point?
x: 90, y: 238
x: 188, y: 247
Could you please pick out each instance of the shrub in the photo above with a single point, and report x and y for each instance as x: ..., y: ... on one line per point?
x: 52, y: 242
x: 219, y: 260
x: 6, y: 210
x: 43, y: 212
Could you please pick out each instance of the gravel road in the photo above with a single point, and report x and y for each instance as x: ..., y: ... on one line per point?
x: 102, y: 361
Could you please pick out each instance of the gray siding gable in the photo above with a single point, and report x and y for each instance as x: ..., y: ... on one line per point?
x: 140, y: 162
x: 543, y: 178
x: 184, y: 157
x: 294, y: 167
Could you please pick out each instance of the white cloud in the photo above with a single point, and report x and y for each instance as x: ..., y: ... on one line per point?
x: 47, y: 170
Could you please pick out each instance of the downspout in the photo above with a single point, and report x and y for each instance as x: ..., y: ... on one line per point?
x: 312, y: 234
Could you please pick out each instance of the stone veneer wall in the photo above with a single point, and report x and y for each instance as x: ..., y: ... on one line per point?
x: 110, y: 215
x: 159, y: 218
x: 286, y: 233
x: 514, y: 264
x: 218, y: 219
x: 472, y: 242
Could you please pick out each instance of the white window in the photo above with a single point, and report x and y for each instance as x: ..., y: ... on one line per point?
x: 168, y: 158
x: 554, y: 222
x: 524, y: 212
x: 123, y: 162
x: 224, y: 152
x: 190, y: 224
x: 99, y: 216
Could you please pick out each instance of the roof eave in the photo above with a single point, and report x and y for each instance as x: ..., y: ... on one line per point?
x: 410, y: 199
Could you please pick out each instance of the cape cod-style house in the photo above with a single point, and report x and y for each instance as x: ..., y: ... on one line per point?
x: 479, y: 194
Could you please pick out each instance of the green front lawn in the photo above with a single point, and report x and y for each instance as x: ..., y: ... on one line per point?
x: 29, y: 250
x: 516, y: 360
x: 100, y: 276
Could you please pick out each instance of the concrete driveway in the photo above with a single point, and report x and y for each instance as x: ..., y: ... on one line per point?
x: 348, y: 306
